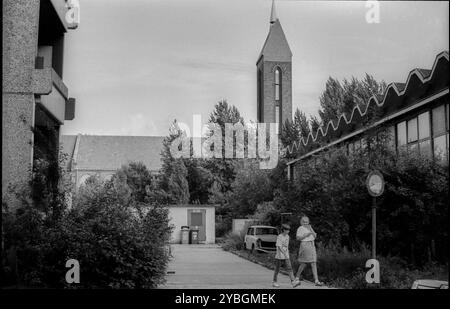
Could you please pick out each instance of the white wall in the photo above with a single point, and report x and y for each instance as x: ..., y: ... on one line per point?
x: 178, y: 217
x: 240, y: 225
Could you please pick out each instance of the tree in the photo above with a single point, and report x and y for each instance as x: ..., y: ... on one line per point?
x: 250, y: 187
x: 137, y: 177
x: 174, y: 173
x: 315, y: 124
x: 301, y: 122
x: 293, y: 131
x: 177, y: 185
x: 200, y: 180
x: 331, y: 100
x: 224, y: 169
x: 339, y: 98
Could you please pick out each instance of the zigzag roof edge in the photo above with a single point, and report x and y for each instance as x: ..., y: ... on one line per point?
x: 392, y: 85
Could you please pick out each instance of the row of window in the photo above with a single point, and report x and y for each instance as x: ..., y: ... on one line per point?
x: 426, y: 133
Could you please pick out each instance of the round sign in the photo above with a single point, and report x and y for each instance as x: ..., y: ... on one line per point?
x: 375, y: 183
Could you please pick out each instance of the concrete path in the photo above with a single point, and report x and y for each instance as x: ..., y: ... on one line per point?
x: 210, y: 267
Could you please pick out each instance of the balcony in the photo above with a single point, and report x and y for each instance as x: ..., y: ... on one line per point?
x: 52, y: 94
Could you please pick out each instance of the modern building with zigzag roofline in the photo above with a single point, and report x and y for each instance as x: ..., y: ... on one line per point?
x: 415, y: 113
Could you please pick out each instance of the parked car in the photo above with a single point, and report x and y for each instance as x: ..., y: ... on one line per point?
x: 261, y: 238
x: 429, y: 284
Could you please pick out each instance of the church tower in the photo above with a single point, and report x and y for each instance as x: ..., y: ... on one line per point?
x: 274, y: 76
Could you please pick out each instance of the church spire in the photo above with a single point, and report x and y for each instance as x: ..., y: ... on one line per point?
x: 273, y: 14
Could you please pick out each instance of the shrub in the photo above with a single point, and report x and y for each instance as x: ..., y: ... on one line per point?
x: 266, y: 213
x: 118, y: 242
x: 412, y: 213
x: 233, y: 242
x: 223, y: 225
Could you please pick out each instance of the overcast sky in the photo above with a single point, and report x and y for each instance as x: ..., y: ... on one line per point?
x: 135, y: 65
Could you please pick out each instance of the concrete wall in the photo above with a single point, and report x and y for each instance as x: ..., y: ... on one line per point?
x: 240, y: 225
x: 25, y: 84
x: 179, y: 216
x: 20, y: 34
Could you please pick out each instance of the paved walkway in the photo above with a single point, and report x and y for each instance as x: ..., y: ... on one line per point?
x: 210, y: 267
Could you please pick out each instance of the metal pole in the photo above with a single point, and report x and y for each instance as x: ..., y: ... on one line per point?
x: 374, y: 227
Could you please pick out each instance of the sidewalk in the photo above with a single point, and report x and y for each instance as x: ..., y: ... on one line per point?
x: 210, y: 267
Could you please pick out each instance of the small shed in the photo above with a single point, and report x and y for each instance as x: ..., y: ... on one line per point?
x: 199, y: 217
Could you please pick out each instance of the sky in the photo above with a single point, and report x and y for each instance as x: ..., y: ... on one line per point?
x: 136, y: 65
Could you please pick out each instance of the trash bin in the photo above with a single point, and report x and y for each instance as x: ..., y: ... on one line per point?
x: 193, y: 237
x: 185, y: 235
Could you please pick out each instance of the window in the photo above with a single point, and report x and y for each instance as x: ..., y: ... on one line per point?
x: 415, y: 132
x: 390, y: 137
x: 277, y: 84
x: 425, y: 148
x: 413, y: 147
x: 401, y: 134
x: 440, y: 147
x: 424, y: 125
x: 439, y: 120
x: 412, y: 130
x: 440, y: 132
x: 266, y: 231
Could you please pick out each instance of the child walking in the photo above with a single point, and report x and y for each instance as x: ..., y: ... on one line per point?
x: 282, y: 256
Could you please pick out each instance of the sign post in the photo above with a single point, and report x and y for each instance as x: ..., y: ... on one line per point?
x: 375, y: 186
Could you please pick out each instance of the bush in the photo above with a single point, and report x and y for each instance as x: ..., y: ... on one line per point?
x: 233, y: 242
x: 412, y: 213
x: 223, y: 225
x: 118, y: 243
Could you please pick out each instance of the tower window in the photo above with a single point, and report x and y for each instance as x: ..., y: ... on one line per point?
x: 278, y: 118
x: 260, y: 96
x: 277, y: 84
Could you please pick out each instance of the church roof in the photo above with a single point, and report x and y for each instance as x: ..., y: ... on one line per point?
x: 109, y: 153
x: 276, y: 47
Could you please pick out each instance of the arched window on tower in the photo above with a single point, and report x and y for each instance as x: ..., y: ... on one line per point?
x: 278, y: 98
x: 277, y: 84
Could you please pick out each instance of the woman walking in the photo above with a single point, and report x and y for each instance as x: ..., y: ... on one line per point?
x: 307, y: 251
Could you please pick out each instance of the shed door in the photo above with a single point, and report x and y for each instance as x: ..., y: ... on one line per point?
x: 196, y: 220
